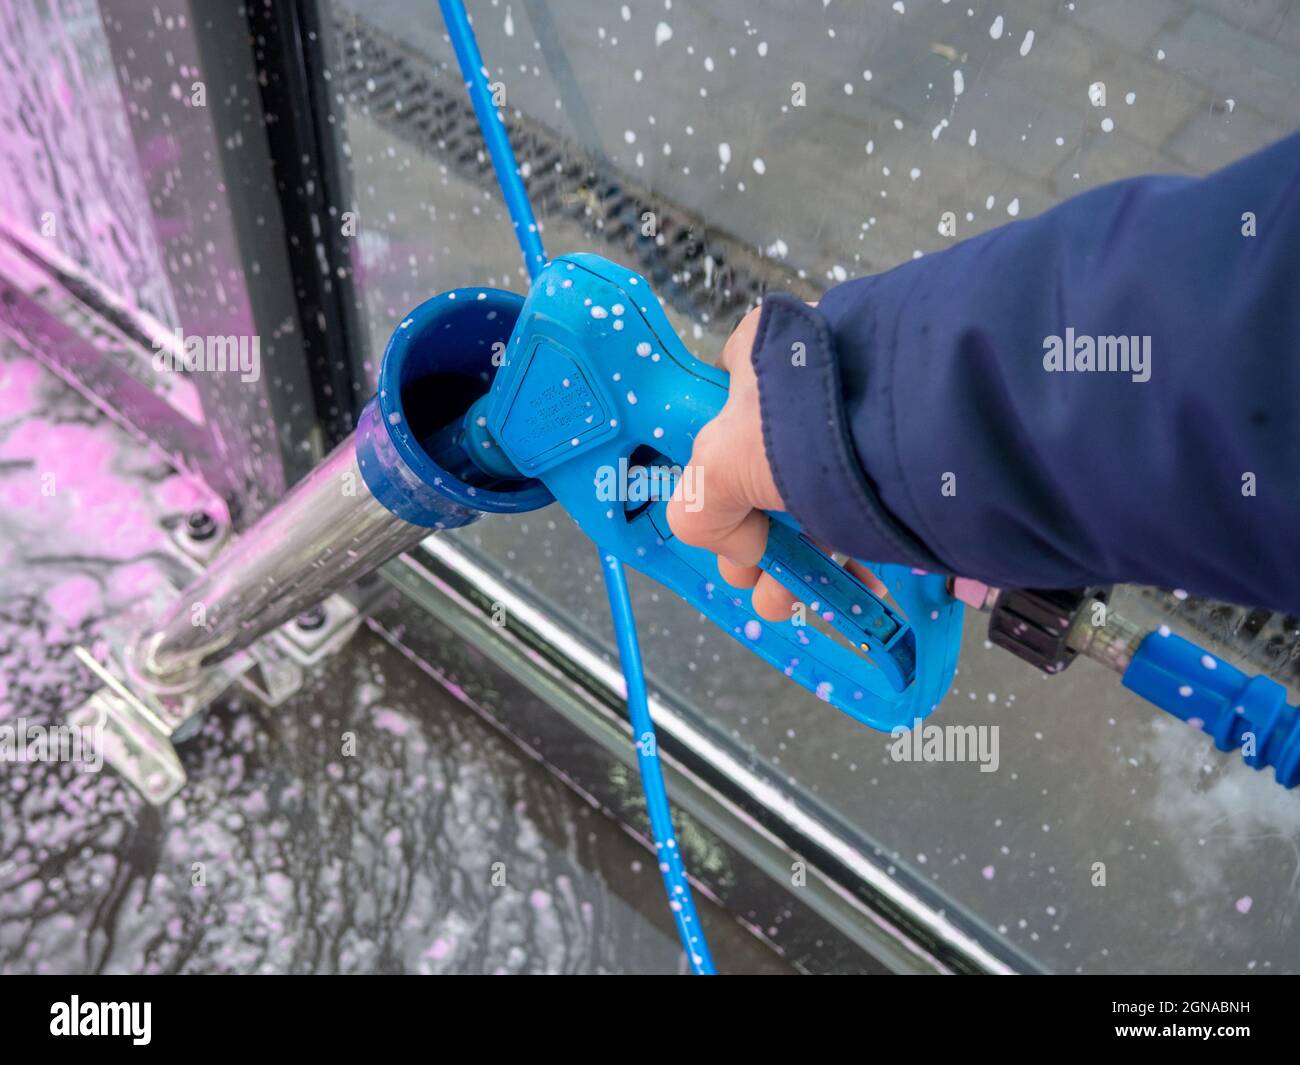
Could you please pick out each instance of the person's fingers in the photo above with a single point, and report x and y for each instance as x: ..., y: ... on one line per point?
x: 721, y: 515
x: 772, y: 600
x: 866, y: 577
x: 858, y: 570
x: 739, y: 348
x: 728, y: 526
x: 738, y: 576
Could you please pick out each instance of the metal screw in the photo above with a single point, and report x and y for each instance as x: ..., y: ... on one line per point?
x: 311, y: 620
x: 200, y: 525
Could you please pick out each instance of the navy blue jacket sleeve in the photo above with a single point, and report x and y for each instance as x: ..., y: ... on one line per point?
x: 944, y: 415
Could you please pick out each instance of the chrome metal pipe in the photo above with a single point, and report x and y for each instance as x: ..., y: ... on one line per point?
x: 327, y: 532
x: 377, y: 494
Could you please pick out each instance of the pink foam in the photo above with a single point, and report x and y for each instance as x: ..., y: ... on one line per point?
x: 72, y: 600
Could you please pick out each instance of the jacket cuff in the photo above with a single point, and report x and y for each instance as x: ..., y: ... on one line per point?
x: 806, y: 437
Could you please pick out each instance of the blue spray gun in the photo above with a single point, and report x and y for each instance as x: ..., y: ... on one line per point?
x: 492, y: 403
x: 598, y: 399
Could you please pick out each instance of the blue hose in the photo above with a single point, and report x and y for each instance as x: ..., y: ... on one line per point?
x: 652, y: 777
x: 515, y: 195
x: 492, y: 125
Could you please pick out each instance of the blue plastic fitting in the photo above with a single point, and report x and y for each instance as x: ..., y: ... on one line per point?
x: 411, y: 439
x: 1237, y: 710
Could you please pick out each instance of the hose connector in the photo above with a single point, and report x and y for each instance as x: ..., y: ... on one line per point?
x: 1237, y: 710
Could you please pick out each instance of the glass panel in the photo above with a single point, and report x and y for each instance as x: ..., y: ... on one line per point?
x: 795, y: 146
x: 70, y: 181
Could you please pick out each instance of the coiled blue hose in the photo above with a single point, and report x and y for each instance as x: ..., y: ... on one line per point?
x: 515, y: 195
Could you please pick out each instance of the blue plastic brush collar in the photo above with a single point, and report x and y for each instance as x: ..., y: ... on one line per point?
x: 439, y: 361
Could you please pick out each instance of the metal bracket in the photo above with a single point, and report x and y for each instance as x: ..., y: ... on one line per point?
x: 280, y: 658
x: 131, y: 737
x: 137, y: 729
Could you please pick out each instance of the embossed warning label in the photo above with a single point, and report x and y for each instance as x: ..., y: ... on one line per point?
x: 554, y: 406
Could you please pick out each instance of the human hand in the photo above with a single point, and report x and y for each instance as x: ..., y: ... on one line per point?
x: 735, y: 486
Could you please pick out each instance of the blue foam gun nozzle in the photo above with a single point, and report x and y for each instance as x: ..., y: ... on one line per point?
x: 596, y: 389
x: 413, y: 445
